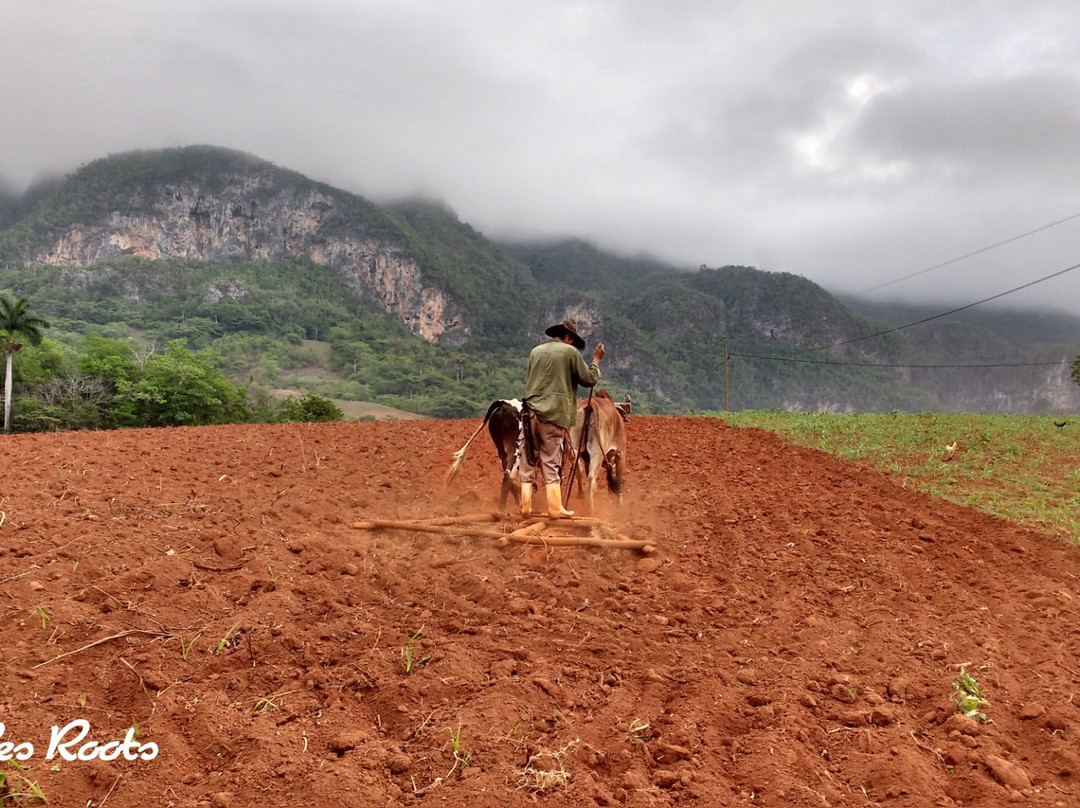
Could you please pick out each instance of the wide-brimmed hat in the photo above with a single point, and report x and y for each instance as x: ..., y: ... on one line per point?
x: 566, y: 327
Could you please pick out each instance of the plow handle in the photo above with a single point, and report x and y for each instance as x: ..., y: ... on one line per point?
x: 582, y: 446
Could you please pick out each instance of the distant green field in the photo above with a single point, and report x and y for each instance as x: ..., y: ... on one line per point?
x: 1025, y: 468
x: 319, y: 378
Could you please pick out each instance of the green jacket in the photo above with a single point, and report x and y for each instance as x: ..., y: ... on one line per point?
x: 552, y: 376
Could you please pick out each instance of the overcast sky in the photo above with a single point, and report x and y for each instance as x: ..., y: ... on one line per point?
x: 850, y: 142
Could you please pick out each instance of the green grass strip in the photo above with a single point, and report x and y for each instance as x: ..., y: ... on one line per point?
x: 1024, y: 468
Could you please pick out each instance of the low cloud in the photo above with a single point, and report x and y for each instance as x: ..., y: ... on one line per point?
x: 850, y: 143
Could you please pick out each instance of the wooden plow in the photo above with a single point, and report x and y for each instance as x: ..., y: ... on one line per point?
x: 575, y: 531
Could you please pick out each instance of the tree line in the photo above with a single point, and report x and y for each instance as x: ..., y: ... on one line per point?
x: 296, y: 324
x: 110, y: 383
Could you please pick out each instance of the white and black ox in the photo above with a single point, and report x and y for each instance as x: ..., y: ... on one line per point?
x: 606, y: 444
x: 503, y: 421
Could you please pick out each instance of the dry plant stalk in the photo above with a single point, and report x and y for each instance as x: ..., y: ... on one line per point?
x: 624, y: 543
x: 373, y: 524
x: 550, y: 774
x: 532, y: 533
x: 573, y: 521
x: 521, y: 534
x: 89, y: 645
x: 454, y: 529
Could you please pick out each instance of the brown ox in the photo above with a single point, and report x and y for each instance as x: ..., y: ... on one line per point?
x: 503, y: 421
x: 605, y: 446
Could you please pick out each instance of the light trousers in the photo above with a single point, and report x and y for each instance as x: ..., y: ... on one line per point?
x: 548, y: 440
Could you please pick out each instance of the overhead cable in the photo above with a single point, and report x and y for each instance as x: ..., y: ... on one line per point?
x: 1051, y: 276
x: 888, y: 365
x: 969, y: 255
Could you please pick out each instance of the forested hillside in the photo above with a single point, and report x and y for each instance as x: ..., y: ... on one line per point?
x: 419, y: 311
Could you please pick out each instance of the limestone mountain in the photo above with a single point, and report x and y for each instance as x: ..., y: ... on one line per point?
x: 214, y: 205
x: 422, y: 311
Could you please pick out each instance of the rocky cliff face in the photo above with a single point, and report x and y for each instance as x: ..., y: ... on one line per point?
x: 254, y: 219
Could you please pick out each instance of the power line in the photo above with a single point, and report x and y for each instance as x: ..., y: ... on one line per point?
x: 1035, y: 282
x: 1051, y: 276
x: 887, y: 365
x: 969, y: 255
x: 954, y: 311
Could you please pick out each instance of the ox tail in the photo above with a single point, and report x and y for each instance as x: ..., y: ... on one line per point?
x: 613, y: 465
x: 459, y: 455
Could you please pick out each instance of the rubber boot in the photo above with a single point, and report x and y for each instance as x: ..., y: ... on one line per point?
x: 526, y: 499
x: 554, y: 498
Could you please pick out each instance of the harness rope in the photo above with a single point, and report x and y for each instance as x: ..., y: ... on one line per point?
x: 583, y: 446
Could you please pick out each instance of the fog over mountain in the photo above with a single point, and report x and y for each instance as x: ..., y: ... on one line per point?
x: 853, y: 144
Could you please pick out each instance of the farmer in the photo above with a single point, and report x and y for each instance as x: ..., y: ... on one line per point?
x: 552, y: 376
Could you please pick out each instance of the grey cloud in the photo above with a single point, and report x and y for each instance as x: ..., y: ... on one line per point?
x: 846, y: 142
x: 1011, y: 125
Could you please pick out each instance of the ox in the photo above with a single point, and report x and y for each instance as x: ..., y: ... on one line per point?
x: 605, y: 446
x: 503, y: 421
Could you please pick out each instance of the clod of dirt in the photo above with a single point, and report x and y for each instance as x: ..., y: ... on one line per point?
x: 1032, y: 711
x: 1009, y: 773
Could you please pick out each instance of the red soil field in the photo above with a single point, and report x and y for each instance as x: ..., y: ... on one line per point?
x: 793, y: 642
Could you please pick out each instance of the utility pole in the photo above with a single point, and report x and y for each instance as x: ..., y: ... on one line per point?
x: 725, y: 375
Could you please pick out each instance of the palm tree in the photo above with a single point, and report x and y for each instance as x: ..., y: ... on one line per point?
x: 15, y: 322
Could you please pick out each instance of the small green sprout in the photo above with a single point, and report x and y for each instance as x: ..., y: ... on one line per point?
x: 461, y: 758
x: 969, y: 696
x: 16, y: 786
x: 43, y: 615
x: 185, y: 644
x: 185, y: 647
x: 228, y: 640
x: 271, y: 702
x: 410, y: 658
